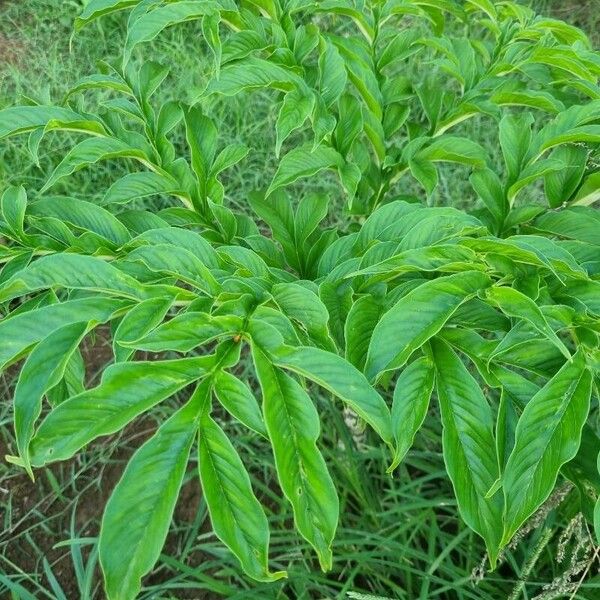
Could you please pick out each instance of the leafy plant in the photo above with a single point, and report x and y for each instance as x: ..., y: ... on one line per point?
x: 494, y: 316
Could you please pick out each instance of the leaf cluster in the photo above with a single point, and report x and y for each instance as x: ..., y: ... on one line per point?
x: 493, y: 315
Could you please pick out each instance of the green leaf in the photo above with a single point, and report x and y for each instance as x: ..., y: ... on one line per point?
x: 20, y: 332
x: 90, y: 151
x: 469, y: 447
x: 236, y: 515
x: 139, y: 185
x: 597, y: 510
x: 179, y: 262
x: 440, y: 257
x: 489, y: 188
x: 531, y: 173
x: 304, y: 162
x: 293, y: 425
x: 338, y: 376
x: 228, y: 157
x: 515, y: 141
x: 411, y: 401
x: 201, y: 135
x: 210, y: 31
x: 311, y: 211
x: 589, y: 192
x: 43, y: 369
x: 13, y: 205
x: 576, y: 223
x: 517, y: 305
x: 565, y: 59
x: 97, y: 8
x: 561, y: 185
x: 418, y: 316
x: 332, y: 73
x: 125, y: 391
x: 539, y: 100
x: 179, y: 237
x: 137, y: 323
x: 547, y: 436
x: 252, y: 74
x: 99, y: 81
x: 150, y: 24
x: 449, y: 148
x: 506, y: 423
x: 350, y: 122
x: 296, y: 107
x: 73, y: 271
x: 21, y: 119
x: 83, y: 215
x: 140, y: 509
x: 277, y: 213
x: 362, y: 319
x: 188, y: 331
x: 239, y: 401
x: 304, y: 306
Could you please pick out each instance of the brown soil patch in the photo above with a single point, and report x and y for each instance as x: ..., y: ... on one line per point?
x: 40, y: 517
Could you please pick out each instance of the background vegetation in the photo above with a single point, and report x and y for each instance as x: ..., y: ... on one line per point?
x: 416, y: 545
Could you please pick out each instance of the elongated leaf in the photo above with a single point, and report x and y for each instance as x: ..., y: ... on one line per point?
x: 589, y: 192
x: 454, y: 149
x: 21, y: 119
x: 164, y: 258
x: 311, y: 211
x: 190, y: 240
x: 125, y: 391
x: 489, y: 188
x: 469, y: 447
x: 201, y: 135
x: 137, y: 323
x: 21, y: 331
x: 304, y: 162
x: 547, y: 436
x: 13, y: 205
x: 239, y: 401
x: 84, y: 215
x: 305, y: 307
x: 515, y: 141
x: 71, y: 271
x: 409, y: 409
x: 296, y: 107
x: 342, y: 379
x: 236, y: 515
x: 139, y: 185
x: 332, y: 74
x: 293, y: 425
x: 362, y: 319
x: 97, y: 8
x: 252, y: 74
x: 516, y: 304
x: 561, y: 185
x: 140, y: 509
x: 228, y: 157
x: 187, y: 331
x: 91, y: 151
x: 577, y: 223
x: 277, y: 213
x: 99, y: 81
x: 42, y: 370
x: 150, y: 24
x: 418, y: 316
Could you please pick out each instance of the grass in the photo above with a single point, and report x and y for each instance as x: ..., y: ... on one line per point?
x: 398, y: 538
